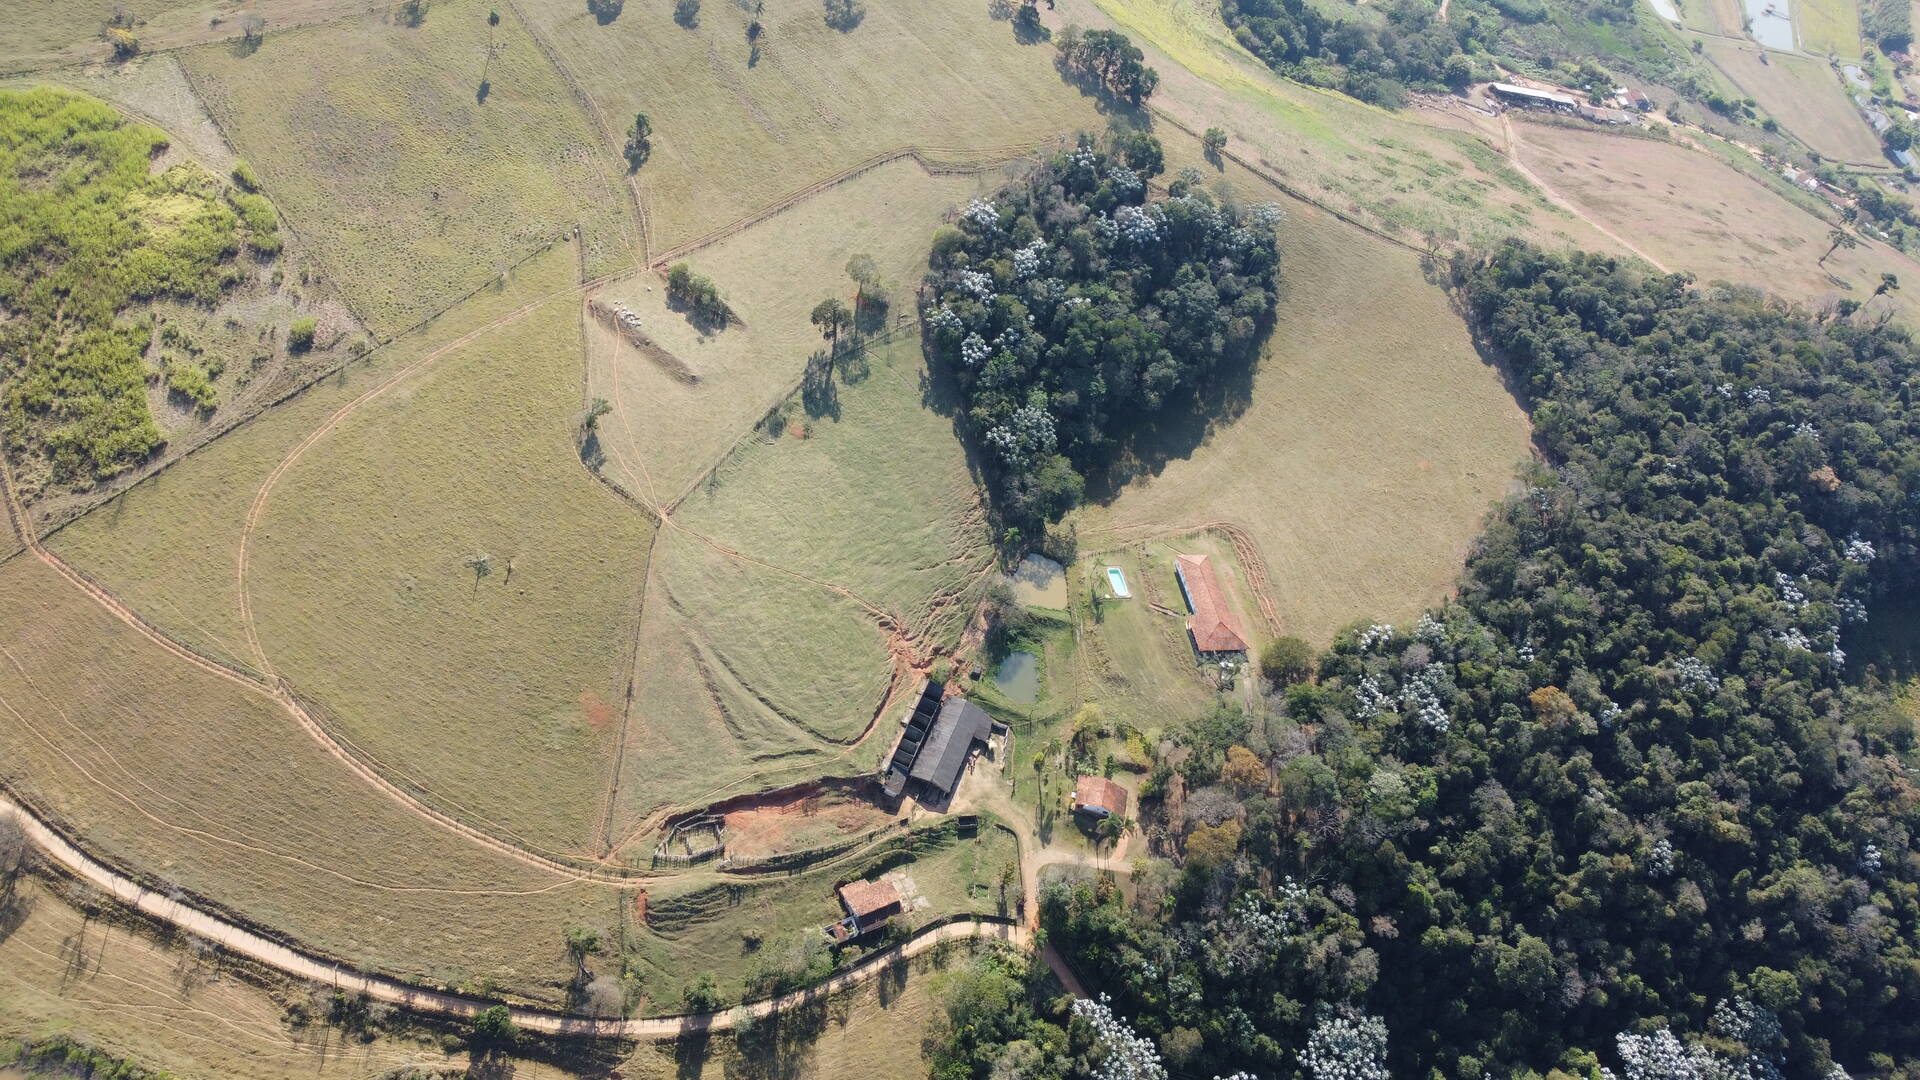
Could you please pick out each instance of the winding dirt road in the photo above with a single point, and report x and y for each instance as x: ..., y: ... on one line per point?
x: 299, y: 965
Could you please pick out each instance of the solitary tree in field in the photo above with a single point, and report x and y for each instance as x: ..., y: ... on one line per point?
x: 687, y: 13
x: 1215, y: 140
x: 832, y: 317
x: 1840, y: 238
x: 866, y: 275
x: 639, y: 141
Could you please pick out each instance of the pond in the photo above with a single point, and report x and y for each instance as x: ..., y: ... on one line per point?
x: 1666, y: 10
x: 1770, y: 22
x: 1040, y: 582
x: 1018, y: 678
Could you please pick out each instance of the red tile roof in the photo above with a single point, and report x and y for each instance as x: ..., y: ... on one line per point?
x: 865, y: 899
x: 1213, y: 624
x: 1099, y: 793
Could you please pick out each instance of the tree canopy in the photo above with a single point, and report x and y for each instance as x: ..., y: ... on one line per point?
x: 1626, y: 800
x: 1069, y: 310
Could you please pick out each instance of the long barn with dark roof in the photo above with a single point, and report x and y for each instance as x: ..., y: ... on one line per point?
x: 934, y: 746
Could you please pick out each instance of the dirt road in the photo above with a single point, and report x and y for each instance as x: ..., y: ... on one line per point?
x: 1554, y: 197
x: 289, y: 961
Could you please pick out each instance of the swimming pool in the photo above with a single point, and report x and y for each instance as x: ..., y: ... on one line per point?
x: 1118, y: 580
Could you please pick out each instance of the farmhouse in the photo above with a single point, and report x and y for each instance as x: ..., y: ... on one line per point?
x: 1213, y: 627
x: 934, y: 747
x: 1099, y: 797
x: 869, y: 904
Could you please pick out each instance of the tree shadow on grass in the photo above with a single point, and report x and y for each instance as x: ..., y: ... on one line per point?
x: 1181, y: 428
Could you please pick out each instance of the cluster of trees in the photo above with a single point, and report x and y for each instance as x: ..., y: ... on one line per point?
x: 1109, y: 60
x: 1625, y: 801
x: 73, y: 175
x: 698, y: 296
x: 1890, y: 24
x: 1373, y: 62
x: 1070, y: 312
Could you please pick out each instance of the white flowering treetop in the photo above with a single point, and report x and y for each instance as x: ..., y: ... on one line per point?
x: 1346, y: 1048
x: 1125, y: 1054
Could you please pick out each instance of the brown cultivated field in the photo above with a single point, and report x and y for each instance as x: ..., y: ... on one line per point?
x: 1365, y: 461
x: 1804, y: 95
x: 416, y: 191
x: 1697, y: 214
x: 732, y: 136
x: 212, y: 788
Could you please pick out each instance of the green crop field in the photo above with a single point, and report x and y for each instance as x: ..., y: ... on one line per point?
x: 414, y: 190
x: 1804, y: 95
x: 1828, y: 27
x: 732, y: 136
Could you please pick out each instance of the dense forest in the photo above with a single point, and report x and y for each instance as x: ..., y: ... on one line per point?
x: 1624, y: 804
x: 1070, y: 311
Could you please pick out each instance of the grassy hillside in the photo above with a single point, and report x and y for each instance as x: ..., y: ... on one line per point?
x: 1362, y: 463
x: 733, y: 132
x: 213, y: 789
x: 414, y: 187
x: 446, y: 581
x: 664, y: 434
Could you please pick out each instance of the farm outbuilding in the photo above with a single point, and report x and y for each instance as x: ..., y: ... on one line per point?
x: 1100, y: 797
x: 869, y: 904
x: 960, y: 725
x: 1528, y: 96
x: 1213, y: 627
x: 934, y: 746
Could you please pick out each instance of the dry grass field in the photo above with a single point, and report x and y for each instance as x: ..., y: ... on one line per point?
x: 1364, y: 462
x: 456, y: 593
x: 413, y: 189
x: 1695, y: 213
x: 62, y: 972
x: 873, y: 495
x: 169, y: 545
x: 1412, y: 173
x: 732, y: 134
x: 49, y: 33
x: 664, y: 434
x: 209, y: 787
x: 760, y: 666
x: 1804, y: 95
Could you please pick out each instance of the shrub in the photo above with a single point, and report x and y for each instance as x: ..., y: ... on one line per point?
x: 300, y: 334
x: 494, y: 1026
x: 1286, y: 660
x: 126, y: 46
x: 244, y: 176
x: 190, y: 380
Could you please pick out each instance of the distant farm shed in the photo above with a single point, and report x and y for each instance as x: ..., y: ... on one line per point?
x: 1099, y: 796
x: 1213, y: 626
